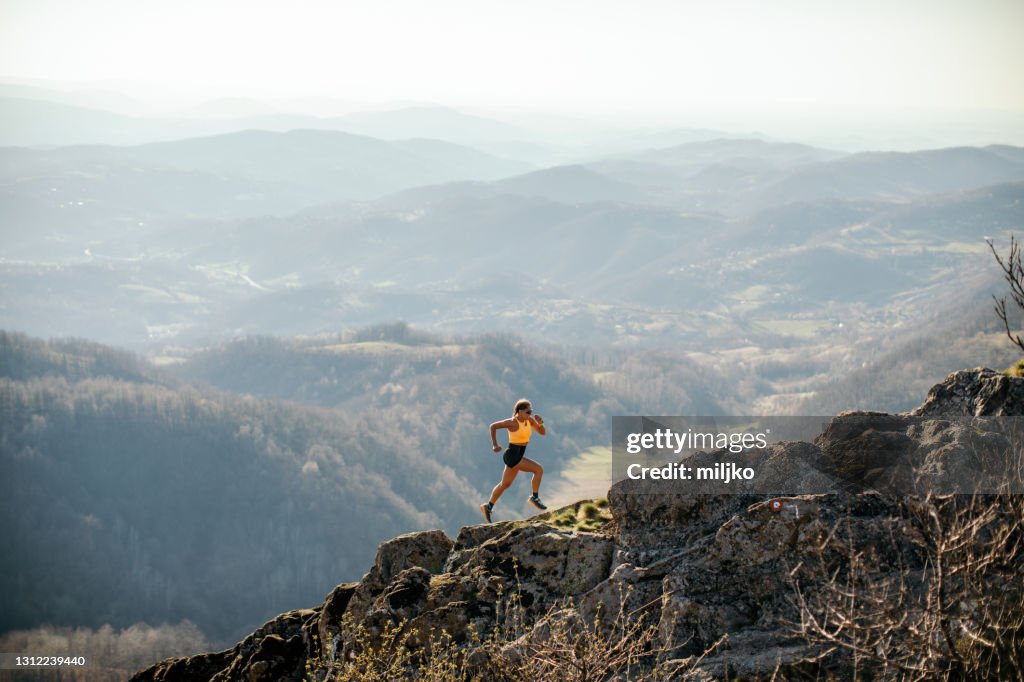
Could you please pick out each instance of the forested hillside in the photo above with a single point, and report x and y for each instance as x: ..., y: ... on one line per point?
x: 125, y: 499
x: 247, y: 478
x: 395, y: 365
x: 962, y: 336
x: 131, y: 495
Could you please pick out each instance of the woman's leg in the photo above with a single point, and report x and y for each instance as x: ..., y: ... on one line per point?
x: 507, y: 477
x: 527, y: 464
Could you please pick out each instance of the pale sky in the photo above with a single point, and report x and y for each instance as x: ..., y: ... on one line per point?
x: 636, y: 55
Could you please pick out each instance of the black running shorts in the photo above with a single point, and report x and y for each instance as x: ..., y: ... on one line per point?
x: 514, y: 454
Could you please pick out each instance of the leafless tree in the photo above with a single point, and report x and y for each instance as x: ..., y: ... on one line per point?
x: 1013, y: 273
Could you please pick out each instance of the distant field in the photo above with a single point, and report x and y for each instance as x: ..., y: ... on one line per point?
x: 801, y: 328
x: 586, y: 476
x: 963, y: 247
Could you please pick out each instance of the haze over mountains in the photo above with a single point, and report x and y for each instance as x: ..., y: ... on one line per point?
x: 303, y: 232
x: 703, y: 249
x: 672, y: 237
x: 237, y: 175
x: 260, y: 261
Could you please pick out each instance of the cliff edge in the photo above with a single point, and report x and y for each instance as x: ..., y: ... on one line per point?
x: 714, y: 574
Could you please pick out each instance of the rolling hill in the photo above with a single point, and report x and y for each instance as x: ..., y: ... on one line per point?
x: 170, y: 501
x: 236, y: 175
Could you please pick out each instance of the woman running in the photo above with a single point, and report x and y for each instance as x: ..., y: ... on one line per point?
x: 520, y: 427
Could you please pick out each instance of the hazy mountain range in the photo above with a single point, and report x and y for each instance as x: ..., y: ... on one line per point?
x: 237, y: 175
x: 261, y: 261
x: 255, y: 232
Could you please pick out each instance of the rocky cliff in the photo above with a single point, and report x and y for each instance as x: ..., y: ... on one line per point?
x: 717, y: 576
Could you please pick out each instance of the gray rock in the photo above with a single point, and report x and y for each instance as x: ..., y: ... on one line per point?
x: 975, y: 392
x: 427, y: 550
x: 705, y: 570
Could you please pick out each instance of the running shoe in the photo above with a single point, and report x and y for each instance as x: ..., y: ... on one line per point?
x: 535, y: 501
x: 487, y: 508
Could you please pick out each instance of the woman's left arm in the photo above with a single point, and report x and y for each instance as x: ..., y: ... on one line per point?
x: 538, y: 424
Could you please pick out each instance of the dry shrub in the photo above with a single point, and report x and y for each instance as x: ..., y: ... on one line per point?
x: 560, y: 647
x: 941, y: 599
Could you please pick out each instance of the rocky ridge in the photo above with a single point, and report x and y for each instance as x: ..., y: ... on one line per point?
x: 714, y: 572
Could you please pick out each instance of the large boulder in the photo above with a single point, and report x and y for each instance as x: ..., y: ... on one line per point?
x: 276, y: 651
x: 975, y: 392
x: 427, y: 550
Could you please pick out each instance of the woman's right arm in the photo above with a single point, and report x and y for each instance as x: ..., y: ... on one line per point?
x: 494, y: 433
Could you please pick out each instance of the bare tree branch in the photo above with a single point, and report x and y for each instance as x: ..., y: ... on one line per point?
x: 1013, y: 273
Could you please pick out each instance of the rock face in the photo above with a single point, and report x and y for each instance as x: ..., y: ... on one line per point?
x: 975, y: 392
x: 702, y: 567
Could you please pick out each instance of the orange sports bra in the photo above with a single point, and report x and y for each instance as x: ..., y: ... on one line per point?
x: 522, y: 435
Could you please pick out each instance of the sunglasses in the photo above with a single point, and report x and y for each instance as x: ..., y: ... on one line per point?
x: 527, y: 411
